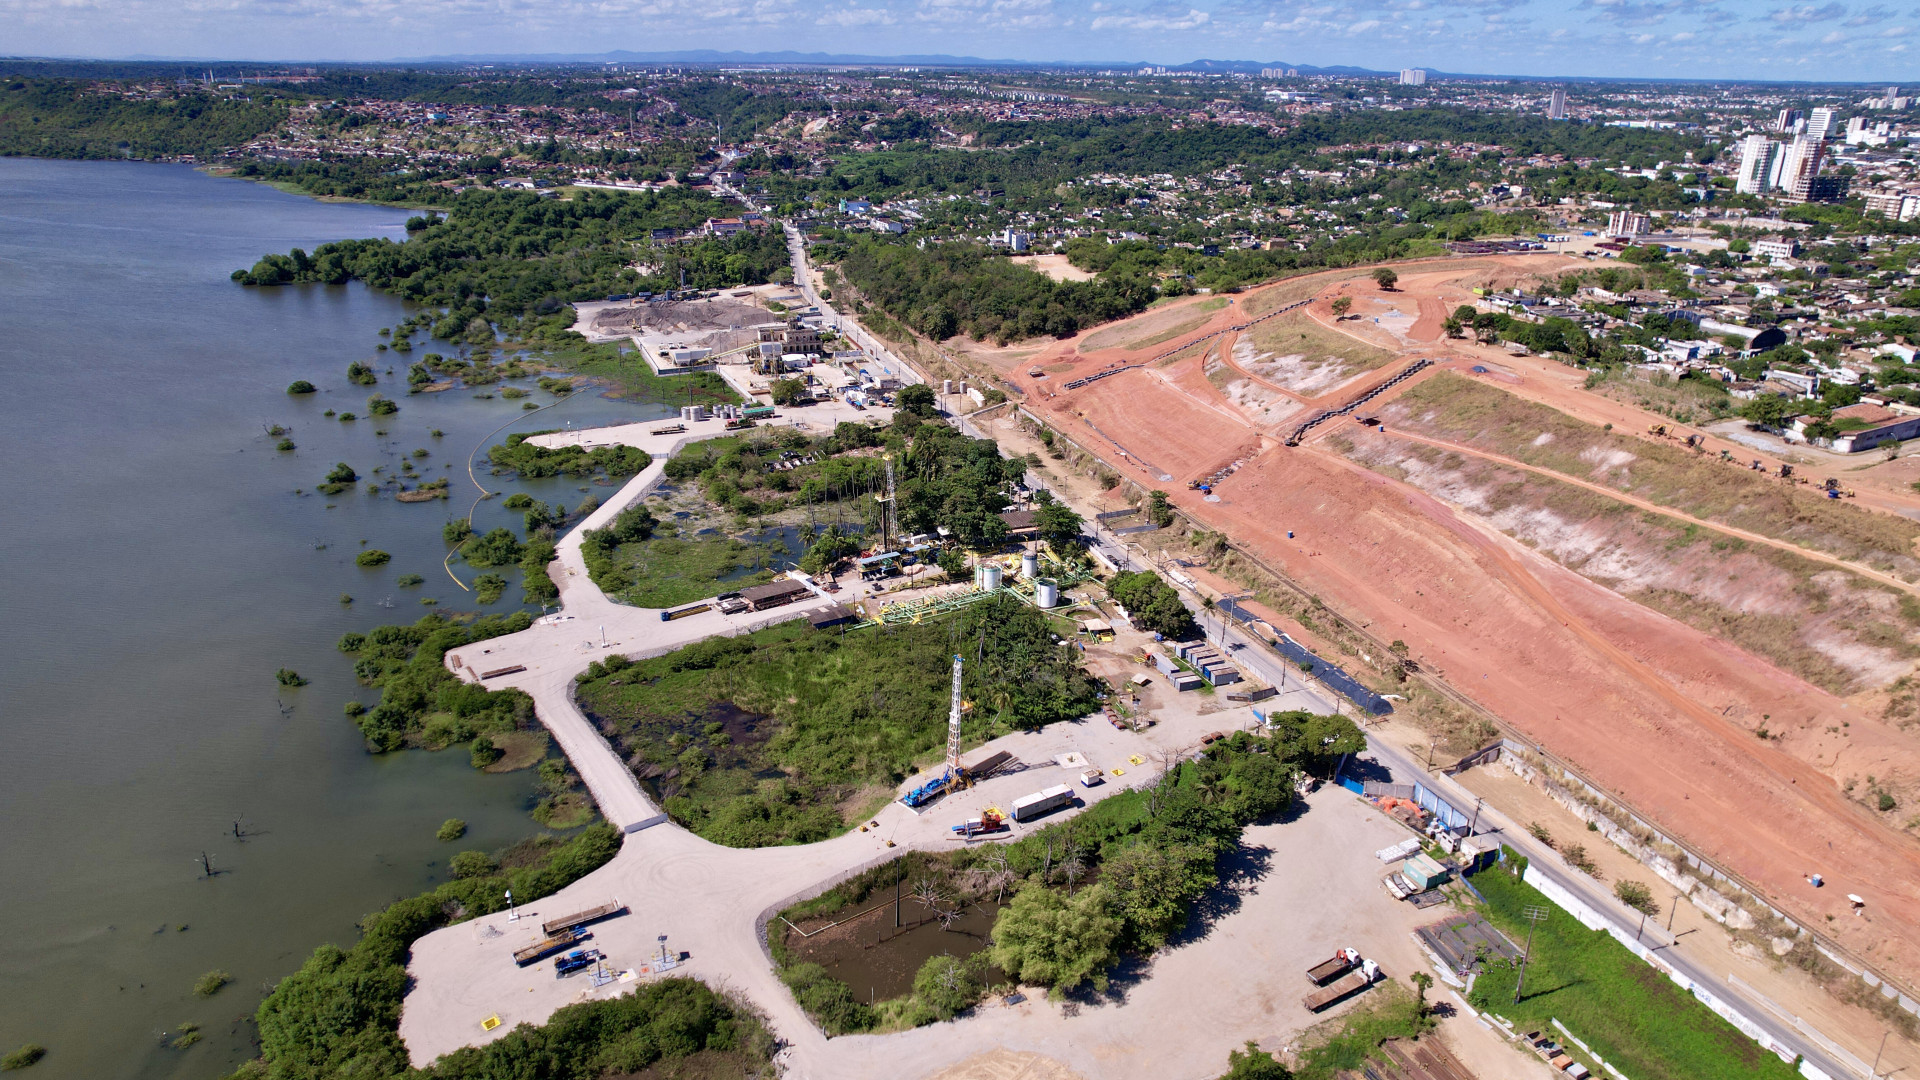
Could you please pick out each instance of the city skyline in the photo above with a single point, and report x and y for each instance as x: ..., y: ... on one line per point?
x: 1679, y: 39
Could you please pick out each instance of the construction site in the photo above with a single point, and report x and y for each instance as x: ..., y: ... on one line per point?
x: 1718, y: 640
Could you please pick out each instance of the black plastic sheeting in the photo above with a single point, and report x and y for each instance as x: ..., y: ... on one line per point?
x: 1329, y: 673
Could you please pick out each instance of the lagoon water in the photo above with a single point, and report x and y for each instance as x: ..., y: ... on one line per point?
x: 160, y: 567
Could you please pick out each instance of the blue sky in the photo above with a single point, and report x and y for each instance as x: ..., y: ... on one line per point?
x: 1837, y: 39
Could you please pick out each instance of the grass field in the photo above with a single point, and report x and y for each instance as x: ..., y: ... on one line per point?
x: 1635, y: 1017
x: 633, y: 379
x: 1282, y: 294
x: 1153, y: 328
x: 1296, y: 352
x: 1461, y: 410
x: 668, y: 571
x: 1688, y: 401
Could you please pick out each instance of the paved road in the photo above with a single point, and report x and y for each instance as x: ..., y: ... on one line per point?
x: 803, y: 279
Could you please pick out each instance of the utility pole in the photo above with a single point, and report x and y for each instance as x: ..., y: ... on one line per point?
x: 1533, y: 913
x: 1475, y: 823
x: 1671, y: 910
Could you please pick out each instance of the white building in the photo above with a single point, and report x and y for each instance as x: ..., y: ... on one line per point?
x: 1823, y: 123
x: 1557, y: 105
x: 1413, y: 77
x: 1759, y: 165
x: 1788, y: 121
x: 1894, y: 205
x: 1802, y: 164
x: 1776, y: 248
x: 1628, y: 224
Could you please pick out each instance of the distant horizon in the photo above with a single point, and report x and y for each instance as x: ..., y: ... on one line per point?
x: 1839, y: 41
x: 789, y: 59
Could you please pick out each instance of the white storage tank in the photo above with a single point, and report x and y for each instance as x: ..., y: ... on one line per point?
x: 1046, y: 593
x: 990, y: 577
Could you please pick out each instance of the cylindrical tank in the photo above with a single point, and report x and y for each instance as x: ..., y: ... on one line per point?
x: 1029, y: 566
x: 990, y: 577
x: 1046, y: 593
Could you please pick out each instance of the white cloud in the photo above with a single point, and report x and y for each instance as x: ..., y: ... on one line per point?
x: 1163, y: 20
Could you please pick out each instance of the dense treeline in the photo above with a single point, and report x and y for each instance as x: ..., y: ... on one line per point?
x: 67, y: 118
x: 503, y: 254
x: 532, y: 460
x: 947, y: 289
x: 421, y: 703
x: 953, y: 288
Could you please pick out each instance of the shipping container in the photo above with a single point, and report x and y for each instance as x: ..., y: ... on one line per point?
x: 1028, y: 807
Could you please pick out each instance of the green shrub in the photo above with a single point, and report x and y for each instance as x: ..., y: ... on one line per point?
x: 300, y: 386
x: 1048, y: 937
x: 284, y: 445
x: 22, y: 1057
x: 377, y: 405
x: 1636, y: 896
x: 484, y: 753
x: 471, y: 864
x: 827, y: 1000
x: 451, y: 829
x: 361, y: 374
x: 947, y: 985
x: 289, y: 677
x: 209, y: 984
x: 372, y: 557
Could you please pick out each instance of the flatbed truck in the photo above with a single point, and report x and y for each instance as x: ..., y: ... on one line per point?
x: 552, y: 943
x: 1352, y: 982
x: 1327, y: 970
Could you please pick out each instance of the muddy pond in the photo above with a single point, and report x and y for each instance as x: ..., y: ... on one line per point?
x: 877, y: 945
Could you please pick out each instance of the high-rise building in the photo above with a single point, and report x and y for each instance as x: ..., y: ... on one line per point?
x: 1413, y: 77
x: 1821, y: 124
x: 1787, y: 120
x: 1802, y: 165
x: 1758, y: 157
x: 1557, y: 105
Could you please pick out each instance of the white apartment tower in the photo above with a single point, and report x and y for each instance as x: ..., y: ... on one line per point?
x: 1557, y: 105
x: 1787, y: 120
x: 1759, y: 162
x: 1820, y: 125
x: 1802, y: 164
x: 1413, y: 77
